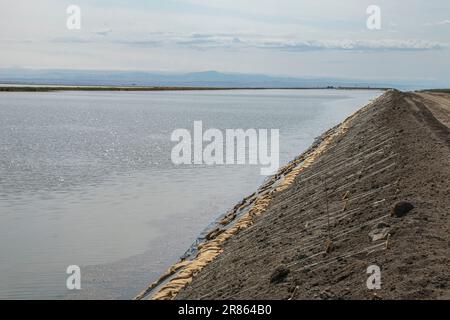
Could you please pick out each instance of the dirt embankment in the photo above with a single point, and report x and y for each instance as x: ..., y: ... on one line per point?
x: 316, y: 239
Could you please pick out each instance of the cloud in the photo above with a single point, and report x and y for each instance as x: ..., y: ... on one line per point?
x: 354, y: 45
x: 204, y: 41
x: 444, y: 22
x: 439, y: 23
x: 103, y: 32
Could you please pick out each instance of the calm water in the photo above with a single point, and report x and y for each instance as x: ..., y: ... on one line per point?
x: 86, y: 179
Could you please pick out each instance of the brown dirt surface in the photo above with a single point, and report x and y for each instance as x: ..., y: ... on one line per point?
x: 337, y: 218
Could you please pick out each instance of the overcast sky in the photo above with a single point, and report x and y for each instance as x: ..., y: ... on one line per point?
x: 277, y: 37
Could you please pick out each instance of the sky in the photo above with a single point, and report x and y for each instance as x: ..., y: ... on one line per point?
x: 307, y: 38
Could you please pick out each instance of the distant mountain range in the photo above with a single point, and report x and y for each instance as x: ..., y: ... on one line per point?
x: 194, y: 79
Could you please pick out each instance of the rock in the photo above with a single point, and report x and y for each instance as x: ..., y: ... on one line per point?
x: 326, y: 295
x: 379, y: 233
x: 376, y: 297
x: 382, y: 225
x: 329, y: 247
x: 279, y: 275
x: 401, y: 208
x: 302, y: 256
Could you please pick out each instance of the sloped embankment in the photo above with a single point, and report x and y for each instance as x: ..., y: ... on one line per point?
x: 316, y: 237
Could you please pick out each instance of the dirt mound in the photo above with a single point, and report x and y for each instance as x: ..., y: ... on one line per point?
x: 378, y: 195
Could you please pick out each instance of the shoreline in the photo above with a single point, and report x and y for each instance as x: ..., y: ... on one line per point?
x: 54, y: 88
x: 213, y: 270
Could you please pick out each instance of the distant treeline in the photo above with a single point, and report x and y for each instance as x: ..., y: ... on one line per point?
x: 439, y: 90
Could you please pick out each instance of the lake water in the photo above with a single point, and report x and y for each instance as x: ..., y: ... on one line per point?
x: 86, y: 179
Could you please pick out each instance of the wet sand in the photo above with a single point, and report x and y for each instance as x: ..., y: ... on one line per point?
x: 374, y: 190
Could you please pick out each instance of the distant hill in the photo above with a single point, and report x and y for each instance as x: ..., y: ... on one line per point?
x: 194, y: 79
